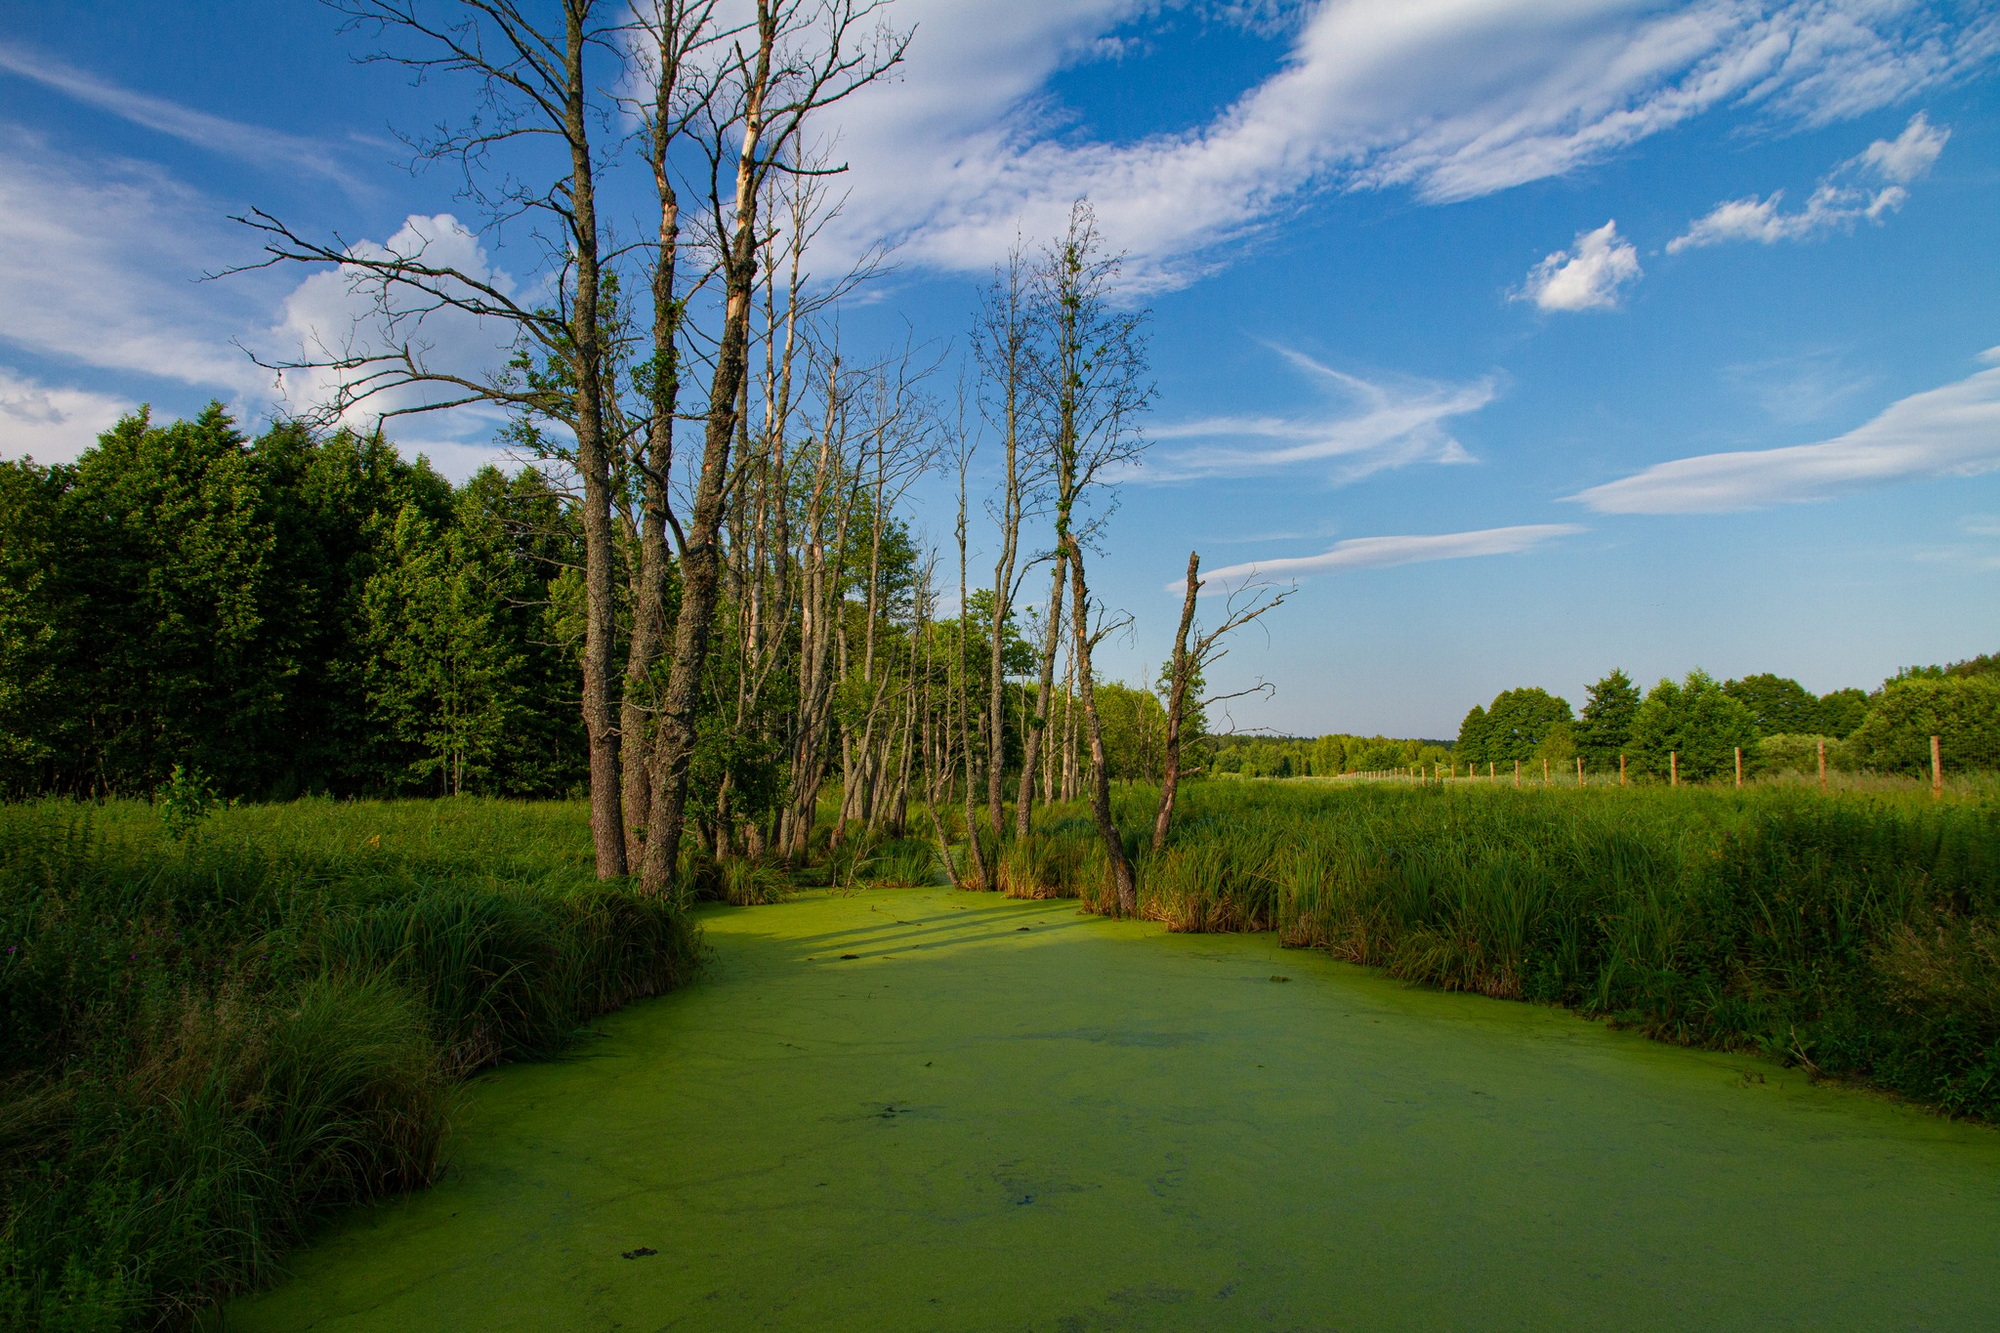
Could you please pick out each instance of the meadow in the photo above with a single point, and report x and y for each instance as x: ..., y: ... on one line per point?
x: 210, y: 1043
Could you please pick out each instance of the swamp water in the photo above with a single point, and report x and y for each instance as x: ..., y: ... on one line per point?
x: 1003, y: 1115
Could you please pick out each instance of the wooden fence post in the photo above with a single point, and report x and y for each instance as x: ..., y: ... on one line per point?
x: 1579, y: 770
x: 1937, y: 770
x: 1621, y: 770
x: 1517, y: 772
x: 1489, y: 770
x: 1739, y: 765
x: 1545, y: 770
x: 1822, y: 763
x: 1674, y: 768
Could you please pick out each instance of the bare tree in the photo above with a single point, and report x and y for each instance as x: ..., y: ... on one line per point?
x: 798, y: 58
x: 1092, y: 387
x: 1189, y: 665
x: 1004, y: 345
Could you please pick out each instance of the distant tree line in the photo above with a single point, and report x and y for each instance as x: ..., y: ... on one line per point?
x: 1321, y: 756
x: 1778, y: 723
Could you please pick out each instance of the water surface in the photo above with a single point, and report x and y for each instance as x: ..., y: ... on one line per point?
x: 1003, y: 1115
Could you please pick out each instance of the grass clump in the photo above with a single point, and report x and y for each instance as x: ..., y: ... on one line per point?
x: 213, y: 1034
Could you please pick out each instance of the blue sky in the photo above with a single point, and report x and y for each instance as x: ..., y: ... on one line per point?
x: 1531, y: 339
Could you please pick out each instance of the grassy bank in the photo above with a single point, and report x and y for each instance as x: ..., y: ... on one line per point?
x: 206, y: 1045
x: 1857, y: 934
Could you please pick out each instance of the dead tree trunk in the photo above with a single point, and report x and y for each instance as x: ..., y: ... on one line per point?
x: 1124, y: 880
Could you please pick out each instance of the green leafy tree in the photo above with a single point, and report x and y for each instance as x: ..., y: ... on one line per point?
x: 1604, y: 730
x: 186, y: 647
x: 1695, y: 719
x: 1472, y: 731
x: 1557, y: 749
x: 1962, y: 711
x: 38, y: 709
x: 1517, y: 721
x: 1840, y: 712
x: 1779, y: 704
x: 440, y: 674
x: 1135, y: 732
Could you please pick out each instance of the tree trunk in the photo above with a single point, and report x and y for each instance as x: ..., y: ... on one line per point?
x: 1170, y: 774
x: 1124, y: 881
x: 607, y: 823
x: 1032, y: 743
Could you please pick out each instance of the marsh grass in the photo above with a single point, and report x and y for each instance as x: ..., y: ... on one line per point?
x: 210, y: 1041
x: 1856, y: 932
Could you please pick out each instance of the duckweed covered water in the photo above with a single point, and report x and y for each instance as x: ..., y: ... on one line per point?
x: 1001, y: 1115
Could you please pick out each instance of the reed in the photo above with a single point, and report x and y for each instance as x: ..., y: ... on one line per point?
x: 1856, y: 933
x: 208, y: 1043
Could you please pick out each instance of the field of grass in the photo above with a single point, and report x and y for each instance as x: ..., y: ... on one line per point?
x: 1855, y: 933
x: 209, y: 1044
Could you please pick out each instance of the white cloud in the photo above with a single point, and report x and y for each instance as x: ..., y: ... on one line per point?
x: 1833, y: 204
x: 1909, y: 156
x: 1452, y: 98
x: 1391, y: 425
x: 100, y: 263
x: 334, y: 312
x: 251, y: 143
x: 1587, y: 277
x: 1949, y: 431
x: 1381, y: 552
x: 51, y: 424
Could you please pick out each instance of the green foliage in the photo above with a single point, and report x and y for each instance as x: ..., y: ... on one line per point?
x: 1326, y: 756
x: 1841, y: 711
x: 207, y: 1045
x: 1696, y: 720
x: 1789, y: 753
x: 1776, y: 703
x: 1471, y: 745
x: 1962, y: 710
x: 1135, y: 732
x: 286, y: 614
x: 183, y: 800
x: 1604, y: 731
x: 1513, y: 726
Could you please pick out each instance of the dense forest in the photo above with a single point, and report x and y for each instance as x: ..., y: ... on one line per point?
x: 283, y: 615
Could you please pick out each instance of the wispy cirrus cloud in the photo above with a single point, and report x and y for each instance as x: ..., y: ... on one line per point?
x: 1948, y: 431
x: 1385, y: 424
x: 1452, y: 99
x: 1588, y: 276
x: 100, y: 263
x: 231, y: 138
x: 1382, y: 552
x: 1837, y: 201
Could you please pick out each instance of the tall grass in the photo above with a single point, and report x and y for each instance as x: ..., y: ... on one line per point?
x: 206, y: 1045
x: 1856, y: 933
